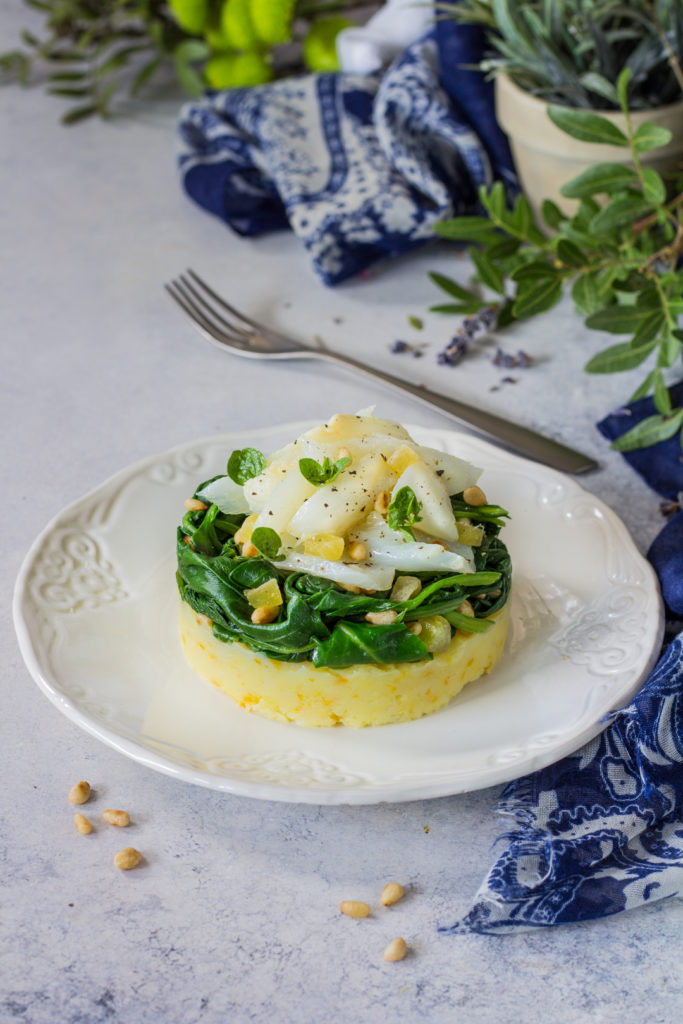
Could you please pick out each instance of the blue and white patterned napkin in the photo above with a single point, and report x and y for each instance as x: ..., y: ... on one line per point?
x: 602, y: 830
x: 360, y: 167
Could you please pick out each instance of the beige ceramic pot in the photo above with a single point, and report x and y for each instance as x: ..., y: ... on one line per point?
x: 546, y: 157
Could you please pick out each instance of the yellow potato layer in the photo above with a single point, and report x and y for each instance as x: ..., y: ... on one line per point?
x: 358, y: 696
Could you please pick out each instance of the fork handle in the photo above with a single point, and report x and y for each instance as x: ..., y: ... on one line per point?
x: 512, y: 435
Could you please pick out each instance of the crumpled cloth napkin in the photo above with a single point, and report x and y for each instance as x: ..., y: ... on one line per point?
x: 361, y: 167
x: 602, y: 830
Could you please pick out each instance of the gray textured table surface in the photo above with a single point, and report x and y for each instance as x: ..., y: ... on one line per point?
x: 234, y: 916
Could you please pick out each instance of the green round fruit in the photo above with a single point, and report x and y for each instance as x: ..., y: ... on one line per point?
x: 272, y: 20
x: 236, y: 70
x: 237, y: 26
x: 320, y: 45
x: 190, y: 14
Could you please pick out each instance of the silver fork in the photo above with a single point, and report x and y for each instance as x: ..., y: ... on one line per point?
x: 224, y: 325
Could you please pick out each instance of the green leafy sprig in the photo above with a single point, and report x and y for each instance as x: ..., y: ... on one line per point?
x: 404, y: 512
x: 619, y: 253
x: 322, y: 473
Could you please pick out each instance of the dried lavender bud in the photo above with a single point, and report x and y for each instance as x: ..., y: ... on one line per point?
x: 454, y: 352
x: 509, y: 362
x: 399, y: 346
x: 503, y: 359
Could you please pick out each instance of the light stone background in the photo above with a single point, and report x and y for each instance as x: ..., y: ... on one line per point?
x: 233, y: 917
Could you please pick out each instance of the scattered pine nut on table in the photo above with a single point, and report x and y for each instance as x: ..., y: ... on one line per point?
x: 79, y: 793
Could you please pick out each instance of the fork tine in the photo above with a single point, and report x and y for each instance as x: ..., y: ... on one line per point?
x: 209, y: 312
x: 205, y: 325
x: 226, y: 305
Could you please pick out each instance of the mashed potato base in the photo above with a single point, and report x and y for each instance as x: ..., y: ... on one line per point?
x: 358, y: 696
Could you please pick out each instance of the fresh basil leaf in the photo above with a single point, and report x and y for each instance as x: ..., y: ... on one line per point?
x: 244, y: 464
x: 404, y: 512
x: 267, y: 542
x: 319, y: 474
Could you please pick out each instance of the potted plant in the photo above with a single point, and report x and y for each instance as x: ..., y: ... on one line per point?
x: 569, y: 53
x: 620, y: 253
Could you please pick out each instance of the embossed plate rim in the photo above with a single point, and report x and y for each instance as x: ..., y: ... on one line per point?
x: 500, y: 767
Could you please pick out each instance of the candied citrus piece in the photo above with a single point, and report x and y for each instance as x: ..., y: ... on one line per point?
x: 246, y: 529
x: 266, y: 596
x: 402, y: 458
x: 325, y: 545
x: 469, y: 534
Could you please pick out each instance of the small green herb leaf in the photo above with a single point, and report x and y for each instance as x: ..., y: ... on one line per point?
x: 650, y: 136
x: 552, y: 214
x: 654, y: 188
x: 585, y: 126
x: 537, y: 298
x: 471, y: 229
x: 618, y: 357
x: 318, y: 474
x: 452, y: 287
x: 404, y: 512
x: 488, y: 273
x: 618, y: 319
x: 267, y: 542
x: 244, y: 464
x: 649, y: 431
x: 620, y: 213
x: 599, y: 178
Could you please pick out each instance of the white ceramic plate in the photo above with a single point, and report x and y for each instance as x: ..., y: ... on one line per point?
x: 95, y: 611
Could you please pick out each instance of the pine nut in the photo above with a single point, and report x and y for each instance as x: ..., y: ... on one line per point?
x: 249, y: 550
x: 80, y: 793
x: 195, y: 505
x: 127, y: 858
x: 414, y: 627
x: 396, y: 950
x: 119, y: 818
x: 350, y: 587
x: 466, y: 609
x: 392, y: 893
x: 354, y: 908
x: 82, y: 824
x: 382, y: 502
x: 343, y: 453
x: 382, y: 618
x: 261, y: 616
x: 357, y: 551
x: 474, y: 496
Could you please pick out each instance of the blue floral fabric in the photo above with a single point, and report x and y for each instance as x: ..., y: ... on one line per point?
x: 360, y: 167
x: 602, y: 830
